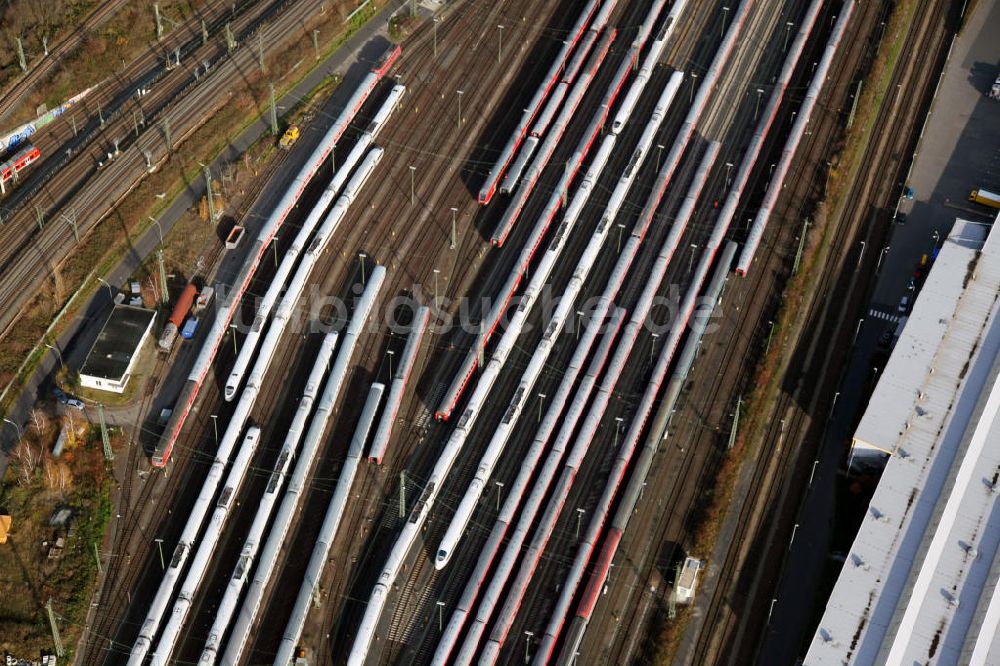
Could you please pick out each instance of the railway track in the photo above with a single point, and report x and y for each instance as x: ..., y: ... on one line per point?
x: 112, y: 114
x: 423, y: 251
x: 417, y: 237
x: 678, y: 277
x: 22, y: 86
x: 350, y: 266
x: 192, y: 104
x: 792, y: 422
x: 463, y: 469
x: 122, y: 580
x: 552, y: 558
x: 635, y: 574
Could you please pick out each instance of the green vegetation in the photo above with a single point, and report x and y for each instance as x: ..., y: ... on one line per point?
x: 42, y: 562
x: 401, y: 26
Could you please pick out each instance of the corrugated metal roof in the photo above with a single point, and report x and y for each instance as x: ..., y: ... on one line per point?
x: 918, y: 584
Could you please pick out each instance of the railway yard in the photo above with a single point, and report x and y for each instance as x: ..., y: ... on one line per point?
x: 534, y: 283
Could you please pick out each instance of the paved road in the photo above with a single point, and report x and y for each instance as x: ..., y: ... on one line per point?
x: 353, y: 60
x: 959, y: 152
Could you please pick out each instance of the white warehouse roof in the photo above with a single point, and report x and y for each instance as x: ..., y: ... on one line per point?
x: 919, y: 584
x: 920, y: 347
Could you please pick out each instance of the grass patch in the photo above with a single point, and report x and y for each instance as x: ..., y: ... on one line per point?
x: 35, y: 486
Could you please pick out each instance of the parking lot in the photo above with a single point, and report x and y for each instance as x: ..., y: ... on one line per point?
x: 958, y: 152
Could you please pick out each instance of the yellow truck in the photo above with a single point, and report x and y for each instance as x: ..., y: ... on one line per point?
x: 985, y: 198
x: 289, y: 138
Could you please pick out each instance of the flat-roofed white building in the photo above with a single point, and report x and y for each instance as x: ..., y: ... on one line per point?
x: 919, y: 585
x: 111, y: 360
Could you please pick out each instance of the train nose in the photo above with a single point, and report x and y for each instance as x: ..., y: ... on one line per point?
x: 230, y: 392
x: 441, y: 561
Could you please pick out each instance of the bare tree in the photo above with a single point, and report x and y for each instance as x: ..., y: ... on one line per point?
x: 40, y: 420
x: 27, y: 458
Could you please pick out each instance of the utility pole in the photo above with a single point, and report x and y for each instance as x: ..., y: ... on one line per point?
x: 105, y: 438
x: 499, y: 43
x: 166, y: 135
x: 736, y: 423
x: 135, y: 123
x: 72, y: 121
x: 159, y: 545
x: 45, y: 44
x: 38, y: 217
x: 481, y: 344
x: 402, y: 494
x: 71, y: 220
x: 413, y: 8
x: 854, y: 104
x: 274, y: 112
x: 413, y: 192
x: 100, y: 114
x: 454, y: 212
x: 756, y: 108
x: 802, y: 242
x: 316, y: 43
x: 159, y: 23
x: 97, y: 558
x: 436, y: 21
x: 204, y: 32
x: 260, y: 51
x: 20, y: 56
x: 55, y: 629
x: 210, y: 197
x: 230, y: 40
x: 460, y: 93
x: 164, y: 294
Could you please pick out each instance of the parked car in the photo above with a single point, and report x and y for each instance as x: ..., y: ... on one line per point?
x: 904, y: 304
x: 75, y: 403
x: 60, y: 395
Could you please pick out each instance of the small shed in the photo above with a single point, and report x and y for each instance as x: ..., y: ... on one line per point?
x: 687, y: 580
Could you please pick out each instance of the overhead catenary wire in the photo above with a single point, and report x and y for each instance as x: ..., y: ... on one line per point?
x: 633, y: 491
x: 291, y: 502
